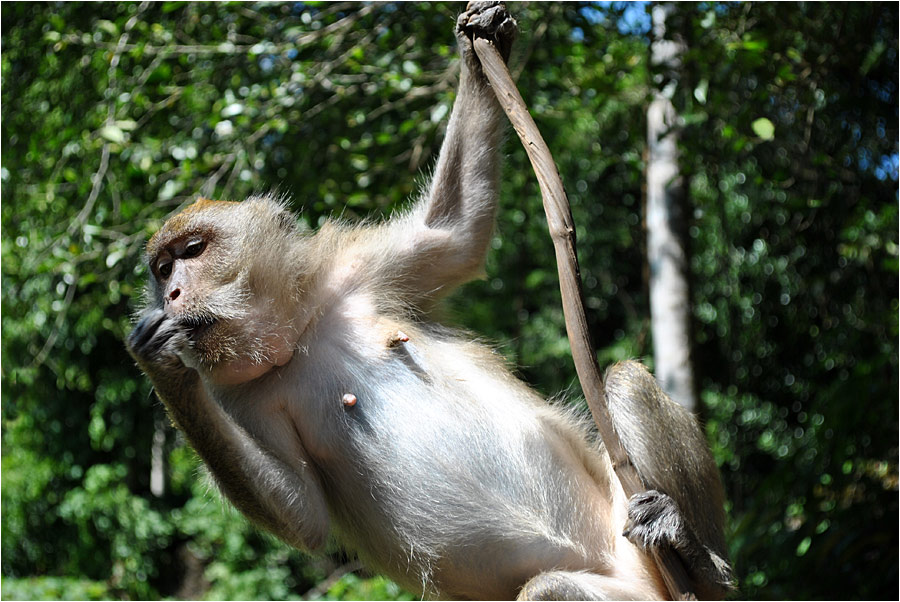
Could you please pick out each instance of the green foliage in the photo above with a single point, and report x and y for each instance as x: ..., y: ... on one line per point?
x: 795, y: 240
x: 114, y: 115
x: 352, y: 587
x: 54, y: 588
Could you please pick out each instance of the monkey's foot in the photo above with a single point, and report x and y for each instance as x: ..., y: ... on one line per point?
x: 488, y: 19
x: 654, y: 520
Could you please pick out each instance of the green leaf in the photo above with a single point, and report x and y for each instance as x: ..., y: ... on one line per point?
x: 701, y: 90
x: 754, y: 45
x: 113, y: 134
x: 764, y: 128
x: 107, y: 26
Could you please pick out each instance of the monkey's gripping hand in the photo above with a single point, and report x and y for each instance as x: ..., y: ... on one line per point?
x: 487, y: 19
x: 654, y: 520
x: 156, y: 344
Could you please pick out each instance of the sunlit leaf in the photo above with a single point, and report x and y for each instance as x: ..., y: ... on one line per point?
x: 113, y: 133
x: 764, y: 128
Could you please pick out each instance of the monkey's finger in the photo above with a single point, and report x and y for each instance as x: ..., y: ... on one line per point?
x: 146, y: 329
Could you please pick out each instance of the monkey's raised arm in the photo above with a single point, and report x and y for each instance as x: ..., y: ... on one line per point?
x: 442, y: 242
x: 288, y: 501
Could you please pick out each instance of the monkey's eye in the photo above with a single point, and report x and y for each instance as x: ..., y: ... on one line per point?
x: 194, y: 248
x: 164, y: 268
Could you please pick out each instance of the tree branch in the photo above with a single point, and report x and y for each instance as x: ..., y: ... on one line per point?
x: 562, y: 231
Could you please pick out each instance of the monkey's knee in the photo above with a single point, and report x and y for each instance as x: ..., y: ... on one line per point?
x: 629, y: 382
x: 570, y: 585
x: 556, y: 585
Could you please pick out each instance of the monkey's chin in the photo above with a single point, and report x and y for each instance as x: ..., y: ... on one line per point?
x: 239, y: 371
x: 244, y: 369
x: 199, y: 327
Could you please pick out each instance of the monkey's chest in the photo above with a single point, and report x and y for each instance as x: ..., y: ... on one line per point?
x: 425, y: 447
x: 385, y: 392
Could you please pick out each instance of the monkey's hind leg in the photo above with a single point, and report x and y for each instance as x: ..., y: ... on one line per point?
x: 684, y: 505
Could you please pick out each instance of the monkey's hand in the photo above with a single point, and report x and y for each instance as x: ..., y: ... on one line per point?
x: 156, y: 343
x: 487, y: 19
x: 654, y: 520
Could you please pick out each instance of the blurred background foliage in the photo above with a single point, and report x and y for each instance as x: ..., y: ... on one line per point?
x: 116, y: 114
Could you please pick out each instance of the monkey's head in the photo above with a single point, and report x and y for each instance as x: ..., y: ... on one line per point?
x: 229, y: 273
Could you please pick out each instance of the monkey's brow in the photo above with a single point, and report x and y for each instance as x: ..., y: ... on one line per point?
x: 204, y: 232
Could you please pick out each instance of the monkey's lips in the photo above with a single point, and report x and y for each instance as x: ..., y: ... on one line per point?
x: 198, y: 327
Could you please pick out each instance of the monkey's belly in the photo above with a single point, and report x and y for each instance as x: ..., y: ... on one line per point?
x: 444, y: 479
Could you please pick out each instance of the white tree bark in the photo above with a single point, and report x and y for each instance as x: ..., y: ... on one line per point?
x: 158, y: 464
x: 670, y: 304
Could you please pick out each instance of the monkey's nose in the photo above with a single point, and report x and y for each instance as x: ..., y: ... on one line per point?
x: 173, y: 294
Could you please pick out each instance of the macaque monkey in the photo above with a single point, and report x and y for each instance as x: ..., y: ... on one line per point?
x: 307, y: 372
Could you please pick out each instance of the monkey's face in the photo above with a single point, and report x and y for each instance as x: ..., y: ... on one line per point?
x: 194, y: 286
x: 203, y: 264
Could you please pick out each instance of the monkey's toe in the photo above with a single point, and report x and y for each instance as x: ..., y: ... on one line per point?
x: 653, y: 520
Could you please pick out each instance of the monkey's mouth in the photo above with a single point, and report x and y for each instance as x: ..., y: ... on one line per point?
x: 198, y: 327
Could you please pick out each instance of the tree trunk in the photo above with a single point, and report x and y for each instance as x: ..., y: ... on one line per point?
x: 159, y: 469
x: 667, y: 251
